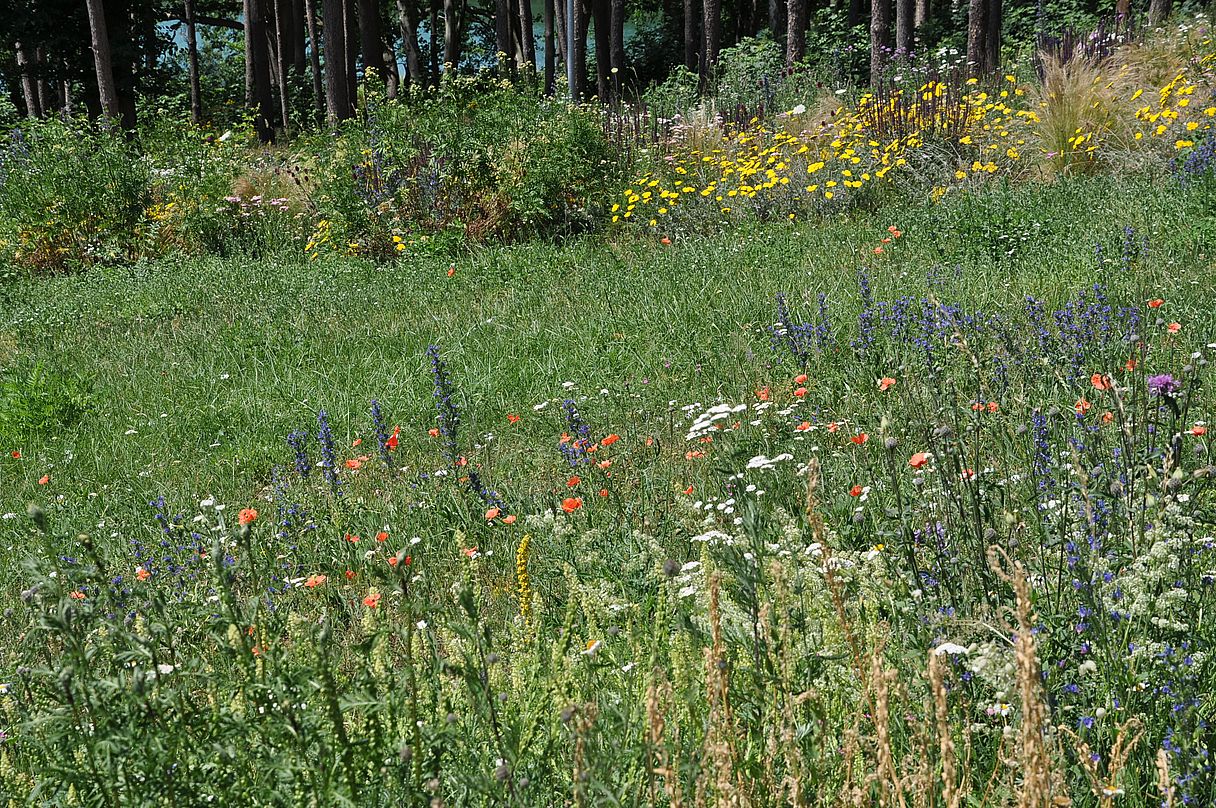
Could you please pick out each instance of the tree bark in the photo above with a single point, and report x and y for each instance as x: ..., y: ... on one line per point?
x: 601, y: 14
x: 282, y: 44
x: 101, y: 59
x: 1159, y: 11
x: 372, y: 40
x: 409, y: 35
x: 922, y: 14
x: 502, y: 35
x: 257, y: 56
x: 29, y: 92
x: 453, y: 31
x: 692, y: 42
x: 392, y: 73
x: 550, y: 54
x: 993, y: 23
x: 617, y: 21
x: 350, y: 34
x: 713, y: 32
x: 905, y: 11
x: 880, y: 38
x: 579, y: 22
x: 977, y: 28
x: 525, y: 35
x: 795, y: 41
x: 337, y: 91
x: 314, y: 58
x: 299, y: 37
x: 196, y: 92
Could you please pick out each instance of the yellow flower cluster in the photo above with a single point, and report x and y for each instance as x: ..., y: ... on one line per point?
x: 1178, y: 114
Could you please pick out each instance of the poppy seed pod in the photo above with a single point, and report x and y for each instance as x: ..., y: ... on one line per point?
x: 890, y: 443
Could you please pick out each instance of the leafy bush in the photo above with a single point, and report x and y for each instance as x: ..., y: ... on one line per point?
x: 36, y: 400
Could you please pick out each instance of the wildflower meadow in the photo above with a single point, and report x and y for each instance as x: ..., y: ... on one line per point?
x: 853, y: 453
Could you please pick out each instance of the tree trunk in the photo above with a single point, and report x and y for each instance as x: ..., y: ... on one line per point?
x: 713, y: 32
x: 795, y: 41
x: 257, y: 56
x: 101, y: 59
x: 392, y: 74
x: 617, y: 21
x: 314, y: 56
x: 856, y: 9
x: 196, y: 92
x: 282, y: 42
x: 993, y: 22
x: 350, y: 38
x: 1123, y: 7
x: 922, y: 14
x: 880, y: 38
x: 29, y: 92
x: 406, y: 12
x: 372, y: 40
x: 692, y: 42
x: 550, y: 54
x: 299, y: 36
x: 778, y: 22
x: 905, y: 11
x: 525, y: 35
x: 578, y: 22
x: 46, y: 99
x: 601, y: 14
x: 337, y: 91
x: 1159, y: 11
x: 502, y: 35
x: 977, y: 51
x: 452, y: 32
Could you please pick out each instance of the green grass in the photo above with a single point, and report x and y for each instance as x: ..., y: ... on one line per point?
x: 182, y: 378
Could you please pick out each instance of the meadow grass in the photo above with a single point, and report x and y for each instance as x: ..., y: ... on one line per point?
x: 503, y: 674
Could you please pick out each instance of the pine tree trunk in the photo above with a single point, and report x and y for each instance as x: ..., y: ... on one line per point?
x: 350, y: 39
x: 452, y: 32
x: 550, y: 54
x: 1159, y: 11
x: 502, y: 34
x: 409, y: 35
x: 993, y: 23
x: 977, y: 50
x: 922, y: 14
x: 528, y: 56
x: 29, y: 92
x: 337, y: 91
x: 713, y: 32
x: 905, y: 11
x: 282, y: 44
x: 601, y: 14
x: 372, y: 40
x: 880, y: 38
x: 692, y: 42
x: 578, y: 62
x: 299, y: 38
x: 778, y: 24
x: 258, y: 58
x: 314, y: 57
x: 617, y: 20
x: 795, y: 42
x: 101, y: 59
x: 196, y: 92
x: 392, y: 72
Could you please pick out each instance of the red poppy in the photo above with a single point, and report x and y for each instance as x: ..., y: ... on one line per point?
x: 350, y: 537
x: 610, y: 439
x: 803, y: 427
x: 832, y: 427
x: 382, y: 536
x: 16, y: 455
x: 1174, y: 328
x: 142, y: 574
x: 246, y: 516
x: 350, y: 575
x: 573, y: 481
x: 1082, y: 406
x: 603, y: 492
x: 762, y: 394
x: 1155, y: 303
x: 512, y: 418
x: 603, y: 464
x: 918, y: 460
x: 391, y: 443
x: 800, y: 378
x: 44, y: 479
x: 1130, y: 364
x: 509, y: 519
x: 1100, y: 381
x: 886, y: 383
x: 76, y: 595
x: 451, y: 270
x: 393, y: 561
x: 315, y: 580
x: 469, y: 552
x: 688, y: 491
x: 572, y: 504
x: 894, y: 231
x: 433, y: 432
x: 492, y: 514
x: 878, y: 251
x: 1107, y: 417
x: 859, y: 439
x: 993, y: 406
x: 665, y: 240
x: 357, y: 442
x: 693, y: 455
x: 856, y: 491
x: 372, y: 601
x: 354, y: 463
x: 1198, y: 430
x: 800, y: 392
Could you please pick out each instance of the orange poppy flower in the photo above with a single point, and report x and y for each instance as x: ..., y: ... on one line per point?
x: 77, y: 595
x: 512, y: 418
x: 315, y: 580
x: 993, y: 406
x: 855, y: 491
x: 573, y: 481
x: 142, y: 574
x: 649, y: 441
x: 832, y: 427
x: 665, y: 241
x: 572, y: 504
x: 688, y: 491
x: 1155, y: 303
x: 44, y: 479
x: 16, y: 455
x: 1199, y: 429
x: 800, y: 378
x: 1107, y: 417
x: 392, y: 561
x: 693, y: 455
x: 762, y: 394
x: 433, y: 432
x: 1082, y: 406
x: 350, y: 537
x: 918, y: 460
x: 1100, y: 381
x: 604, y: 464
x: 350, y: 575
x: 391, y: 443
x: 610, y: 439
x: 860, y: 438
x: 894, y: 231
x: 879, y: 251
x: 382, y: 536
x: 800, y: 392
x: 469, y: 552
x: 967, y: 475
x: 1174, y: 328
x: 603, y: 492
x: 803, y: 427
x: 451, y: 270
x: 246, y: 516
x: 354, y: 463
x: 509, y: 519
x: 886, y: 383
x: 357, y: 442
x: 492, y: 514
x: 1130, y: 364
x: 372, y: 601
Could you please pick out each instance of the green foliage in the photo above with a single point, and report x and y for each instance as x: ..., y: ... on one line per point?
x: 37, y: 401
